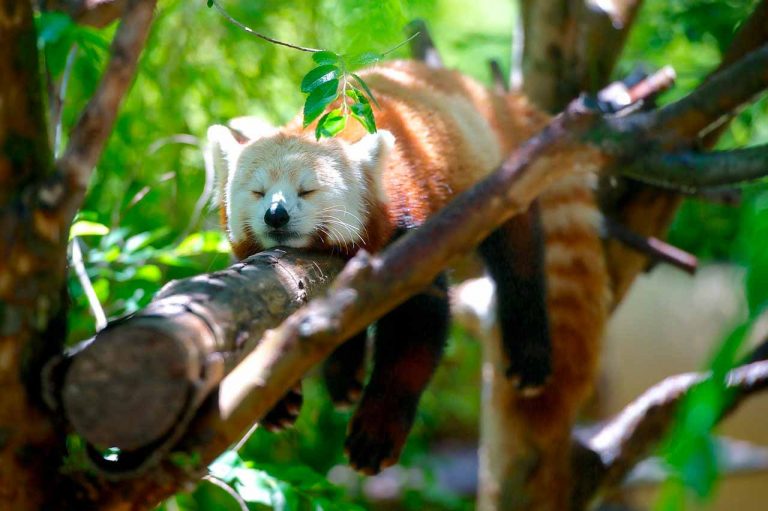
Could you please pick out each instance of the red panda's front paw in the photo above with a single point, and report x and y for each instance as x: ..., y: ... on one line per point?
x: 285, y: 412
x: 377, y: 434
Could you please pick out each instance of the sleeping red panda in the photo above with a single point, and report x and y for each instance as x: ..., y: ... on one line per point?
x: 439, y: 133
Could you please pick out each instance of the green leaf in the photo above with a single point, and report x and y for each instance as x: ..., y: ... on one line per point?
x: 364, y: 86
x: 214, y: 494
x: 53, y: 26
x: 319, y: 99
x: 149, y: 272
x: 330, y: 124
x: 87, y: 228
x: 205, y: 242
x: 209, y: 3
x: 365, y: 59
x: 318, y: 76
x: 325, y: 57
x: 362, y: 111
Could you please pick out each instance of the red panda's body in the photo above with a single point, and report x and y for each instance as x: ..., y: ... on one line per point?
x: 447, y: 132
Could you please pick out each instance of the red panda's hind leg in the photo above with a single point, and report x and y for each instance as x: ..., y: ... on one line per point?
x: 514, y: 257
x: 408, y: 345
x: 344, y: 371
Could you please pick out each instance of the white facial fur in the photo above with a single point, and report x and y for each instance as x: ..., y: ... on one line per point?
x: 325, y: 186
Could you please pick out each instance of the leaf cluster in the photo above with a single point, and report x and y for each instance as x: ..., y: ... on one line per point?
x: 330, y: 81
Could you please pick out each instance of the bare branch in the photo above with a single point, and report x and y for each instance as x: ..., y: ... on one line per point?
x: 90, y: 134
x: 721, y: 95
x: 630, y: 436
x: 653, y: 247
x: 689, y: 172
x: 97, y: 13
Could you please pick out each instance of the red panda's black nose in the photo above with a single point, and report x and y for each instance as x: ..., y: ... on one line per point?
x: 276, y: 216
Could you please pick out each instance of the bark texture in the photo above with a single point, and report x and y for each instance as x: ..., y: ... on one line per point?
x: 38, y: 200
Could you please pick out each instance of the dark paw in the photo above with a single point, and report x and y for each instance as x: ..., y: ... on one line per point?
x: 285, y: 412
x: 377, y: 434
x: 530, y: 380
x: 344, y: 371
x: 344, y: 388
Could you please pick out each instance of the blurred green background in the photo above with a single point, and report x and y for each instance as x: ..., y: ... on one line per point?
x: 146, y: 219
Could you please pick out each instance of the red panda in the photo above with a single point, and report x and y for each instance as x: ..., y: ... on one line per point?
x: 439, y: 133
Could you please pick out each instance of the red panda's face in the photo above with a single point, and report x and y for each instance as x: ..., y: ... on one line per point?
x: 294, y: 191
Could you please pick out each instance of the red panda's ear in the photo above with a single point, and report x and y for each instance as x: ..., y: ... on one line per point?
x: 371, y: 153
x: 372, y: 150
x: 223, y: 149
x: 249, y: 128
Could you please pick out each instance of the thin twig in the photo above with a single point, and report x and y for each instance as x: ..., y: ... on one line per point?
x: 653, y: 247
x: 82, y: 275
x: 256, y: 34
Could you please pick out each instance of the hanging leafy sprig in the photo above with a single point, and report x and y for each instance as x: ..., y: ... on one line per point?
x: 331, y: 80
x: 328, y: 81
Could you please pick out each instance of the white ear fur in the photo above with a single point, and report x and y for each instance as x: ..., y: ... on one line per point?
x: 224, y: 149
x: 372, y: 149
x: 251, y: 127
x: 371, y: 153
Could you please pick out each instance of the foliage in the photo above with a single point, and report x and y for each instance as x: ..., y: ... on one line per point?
x: 145, y: 221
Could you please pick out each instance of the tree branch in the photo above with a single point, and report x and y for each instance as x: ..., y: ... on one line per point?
x: 653, y: 247
x: 647, y: 210
x: 194, y: 330
x: 689, y: 172
x: 89, y: 135
x: 571, y: 47
x: 731, y: 87
x: 634, y: 432
x: 97, y: 13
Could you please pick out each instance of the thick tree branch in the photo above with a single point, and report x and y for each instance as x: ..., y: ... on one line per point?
x: 571, y: 47
x: 731, y: 88
x: 195, y: 330
x: 647, y: 210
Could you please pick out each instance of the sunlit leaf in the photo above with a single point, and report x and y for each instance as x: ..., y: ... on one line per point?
x: 149, y: 272
x: 319, y: 99
x: 325, y: 57
x: 318, y: 76
x: 365, y: 59
x: 330, y: 124
x: 87, y: 228
x: 364, y: 86
x: 362, y: 111
x: 205, y: 242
